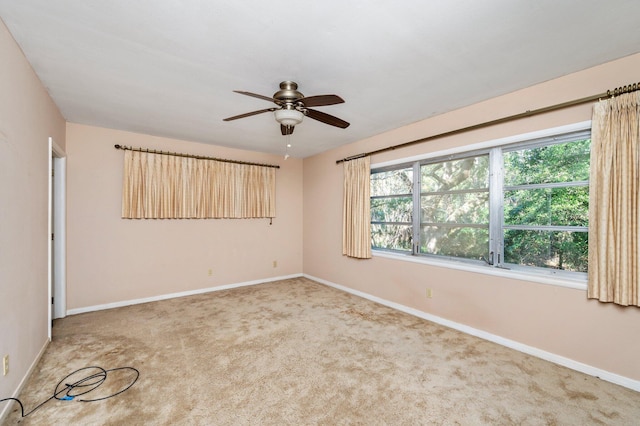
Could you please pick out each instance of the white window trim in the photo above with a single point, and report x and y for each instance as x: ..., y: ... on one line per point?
x: 544, y: 276
x: 583, y: 125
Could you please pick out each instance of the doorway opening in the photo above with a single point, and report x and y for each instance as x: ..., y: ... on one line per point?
x: 57, y: 279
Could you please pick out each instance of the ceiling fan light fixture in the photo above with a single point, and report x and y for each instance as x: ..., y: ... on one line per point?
x: 288, y: 117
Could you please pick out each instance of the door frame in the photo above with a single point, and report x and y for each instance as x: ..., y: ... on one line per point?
x: 57, y: 248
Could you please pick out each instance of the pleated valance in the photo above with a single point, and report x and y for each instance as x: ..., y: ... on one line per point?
x: 160, y: 186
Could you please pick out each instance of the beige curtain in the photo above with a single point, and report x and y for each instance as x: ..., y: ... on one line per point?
x: 157, y: 186
x: 356, y: 215
x: 614, y: 207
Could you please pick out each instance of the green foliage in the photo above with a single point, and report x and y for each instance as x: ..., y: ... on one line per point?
x: 466, y: 173
x: 565, y: 162
x: 566, y: 206
x: 556, y: 206
x: 391, y: 237
x: 464, y: 242
x: 393, y: 182
x: 392, y: 209
x: 547, y: 249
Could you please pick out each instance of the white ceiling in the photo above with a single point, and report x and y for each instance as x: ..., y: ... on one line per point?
x: 168, y: 67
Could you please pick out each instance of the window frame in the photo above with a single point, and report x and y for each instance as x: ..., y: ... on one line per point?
x: 495, y: 149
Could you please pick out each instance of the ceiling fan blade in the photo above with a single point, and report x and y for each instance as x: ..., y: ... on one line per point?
x: 326, y: 118
x: 249, y: 114
x: 255, y: 95
x: 321, y: 100
x: 286, y: 130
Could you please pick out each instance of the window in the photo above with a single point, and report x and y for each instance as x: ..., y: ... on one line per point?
x: 518, y: 206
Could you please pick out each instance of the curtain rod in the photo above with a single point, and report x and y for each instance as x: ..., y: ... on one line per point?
x: 616, y: 92
x: 199, y: 157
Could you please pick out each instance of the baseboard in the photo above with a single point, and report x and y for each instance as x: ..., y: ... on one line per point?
x: 8, y: 406
x: 174, y: 295
x: 530, y: 350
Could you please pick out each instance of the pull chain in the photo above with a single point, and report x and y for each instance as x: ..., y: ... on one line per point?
x: 286, y: 154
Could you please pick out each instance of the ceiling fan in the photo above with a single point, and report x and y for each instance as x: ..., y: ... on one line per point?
x: 292, y: 106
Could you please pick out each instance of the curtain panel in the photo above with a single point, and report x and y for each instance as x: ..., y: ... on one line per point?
x: 614, y: 203
x: 356, y: 212
x: 160, y: 186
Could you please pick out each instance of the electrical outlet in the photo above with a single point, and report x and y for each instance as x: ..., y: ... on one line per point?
x: 275, y: 263
x: 5, y: 365
x: 429, y: 293
x: 210, y: 272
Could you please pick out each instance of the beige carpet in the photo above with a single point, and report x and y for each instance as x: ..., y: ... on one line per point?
x: 296, y: 352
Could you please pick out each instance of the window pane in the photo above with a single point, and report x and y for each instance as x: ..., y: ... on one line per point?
x: 392, y: 237
x: 455, y: 192
x: 466, y: 173
x: 547, y: 249
x: 392, y: 182
x: 565, y: 162
x: 465, y: 242
x: 392, y: 209
x: 549, y: 206
x: 455, y: 208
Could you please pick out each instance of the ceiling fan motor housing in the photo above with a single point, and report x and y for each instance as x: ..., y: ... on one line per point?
x: 288, y: 92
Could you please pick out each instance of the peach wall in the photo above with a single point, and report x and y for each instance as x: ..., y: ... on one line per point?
x: 28, y: 117
x: 555, y: 319
x: 114, y: 260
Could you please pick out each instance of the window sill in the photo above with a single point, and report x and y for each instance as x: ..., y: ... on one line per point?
x: 546, y: 277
